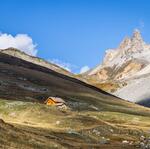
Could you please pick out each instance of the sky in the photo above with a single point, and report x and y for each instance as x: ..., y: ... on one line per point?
x: 71, y: 33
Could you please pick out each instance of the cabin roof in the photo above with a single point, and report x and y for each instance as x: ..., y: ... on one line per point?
x: 57, y: 99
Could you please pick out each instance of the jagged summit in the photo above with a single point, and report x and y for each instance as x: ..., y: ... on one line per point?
x: 128, y: 49
x: 137, y: 35
x: 128, y: 41
x: 132, y: 49
x: 125, y: 42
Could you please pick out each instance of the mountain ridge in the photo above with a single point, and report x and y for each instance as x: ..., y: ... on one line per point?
x: 36, y: 60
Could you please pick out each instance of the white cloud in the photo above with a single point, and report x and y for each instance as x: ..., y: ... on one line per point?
x: 69, y: 67
x: 84, y: 69
x: 21, y: 41
x: 64, y: 65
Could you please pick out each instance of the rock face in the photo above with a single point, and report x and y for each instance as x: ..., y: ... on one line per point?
x: 128, y: 66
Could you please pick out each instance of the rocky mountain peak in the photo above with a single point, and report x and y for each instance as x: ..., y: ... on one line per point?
x: 130, y: 57
x: 137, y: 35
x: 133, y: 44
x: 129, y: 48
x: 134, y: 40
x: 126, y: 42
x: 125, y: 71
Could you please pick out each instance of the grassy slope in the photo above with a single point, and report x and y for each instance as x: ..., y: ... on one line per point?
x: 40, y: 126
x: 93, y: 114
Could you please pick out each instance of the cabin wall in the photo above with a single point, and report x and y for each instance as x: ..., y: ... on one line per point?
x: 50, y: 102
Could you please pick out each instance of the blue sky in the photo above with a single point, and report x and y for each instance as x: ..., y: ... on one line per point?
x: 75, y: 33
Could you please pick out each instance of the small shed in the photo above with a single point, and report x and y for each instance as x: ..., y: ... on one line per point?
x: 54, y: 101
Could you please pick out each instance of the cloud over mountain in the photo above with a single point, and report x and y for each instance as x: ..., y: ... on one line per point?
x: 84, y: 69
x: 22, y: 42
x: 65, y: 65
